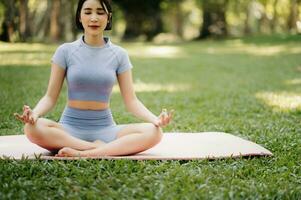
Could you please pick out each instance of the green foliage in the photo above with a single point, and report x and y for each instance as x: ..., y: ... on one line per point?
x: 248, y: 87
x: 2, y: 10
x: 136, y: 20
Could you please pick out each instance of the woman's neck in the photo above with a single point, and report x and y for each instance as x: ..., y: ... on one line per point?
x: 94, y: 40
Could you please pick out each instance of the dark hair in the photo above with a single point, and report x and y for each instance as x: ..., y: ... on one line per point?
x: 106, y: 4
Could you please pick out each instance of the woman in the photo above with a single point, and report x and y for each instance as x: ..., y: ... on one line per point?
x: 91, y: 66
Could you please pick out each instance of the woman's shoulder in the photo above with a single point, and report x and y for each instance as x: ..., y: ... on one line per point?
x: 118, y: 50
x: 68, y: 47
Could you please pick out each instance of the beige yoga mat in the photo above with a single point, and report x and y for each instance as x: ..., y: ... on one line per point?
x: 173, y: 146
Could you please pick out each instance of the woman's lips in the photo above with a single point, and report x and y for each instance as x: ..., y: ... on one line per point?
x: 94, y: 27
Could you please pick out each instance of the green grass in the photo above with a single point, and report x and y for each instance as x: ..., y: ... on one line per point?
x: 250, y: 87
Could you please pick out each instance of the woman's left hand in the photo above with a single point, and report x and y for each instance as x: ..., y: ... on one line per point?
x: 164, y: 118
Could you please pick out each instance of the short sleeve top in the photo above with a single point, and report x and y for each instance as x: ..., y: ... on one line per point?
x: 91, y: 72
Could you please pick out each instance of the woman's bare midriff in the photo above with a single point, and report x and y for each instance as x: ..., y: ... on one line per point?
x: 88, y: 105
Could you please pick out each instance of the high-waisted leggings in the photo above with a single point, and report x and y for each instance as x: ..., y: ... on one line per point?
x: 90, y: 125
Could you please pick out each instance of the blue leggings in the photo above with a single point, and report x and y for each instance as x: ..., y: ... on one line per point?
x: 90, y: 125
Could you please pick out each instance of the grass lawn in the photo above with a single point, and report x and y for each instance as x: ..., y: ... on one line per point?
x: 249, y: 87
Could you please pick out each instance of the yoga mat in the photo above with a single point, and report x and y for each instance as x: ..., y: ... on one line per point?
x: 173, y: 146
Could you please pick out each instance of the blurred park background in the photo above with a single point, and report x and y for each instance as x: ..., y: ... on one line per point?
x: 152, y: 20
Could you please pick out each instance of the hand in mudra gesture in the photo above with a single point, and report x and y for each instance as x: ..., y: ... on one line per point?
x: 164, y: 118
x: 28, y: 115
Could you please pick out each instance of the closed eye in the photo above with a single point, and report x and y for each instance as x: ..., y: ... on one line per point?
x: 100, y: 11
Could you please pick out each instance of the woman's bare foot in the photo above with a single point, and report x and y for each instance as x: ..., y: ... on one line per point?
x: 68, y: 152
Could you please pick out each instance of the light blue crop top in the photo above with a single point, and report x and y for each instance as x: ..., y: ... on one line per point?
x: 91, y: 71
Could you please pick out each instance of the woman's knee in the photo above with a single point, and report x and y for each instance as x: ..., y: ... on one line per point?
x: 155, y: 133
x: 33, y: 131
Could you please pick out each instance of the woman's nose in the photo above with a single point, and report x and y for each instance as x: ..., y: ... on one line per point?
x: 94, y: 18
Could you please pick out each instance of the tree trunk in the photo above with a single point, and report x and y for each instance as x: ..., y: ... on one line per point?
x: 133, y: 26
x: 142, y: 18
x: 54, y: 21
x: 43, y: 23
x: 275, y: 17
x: 66, y: 21
x: 214, y: 19
x: 178, y: 20
x: 74, y: 28
x: 264, y: 22
x: 24, y: 27
x: 247, y: 28
x: 9, y: 22
x: 293, y: 17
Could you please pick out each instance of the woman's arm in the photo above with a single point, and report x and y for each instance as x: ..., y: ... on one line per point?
x: 48, y: 101
x: 55, y: 84
x: 134, y: 105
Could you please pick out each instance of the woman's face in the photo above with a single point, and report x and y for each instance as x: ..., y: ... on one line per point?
x: 93, y: 17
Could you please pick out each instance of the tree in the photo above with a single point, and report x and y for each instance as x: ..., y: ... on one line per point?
x: 24, y: 27
x: 275, y: 17
x: 214, y: 18
x: 293, y: 17
x: 66, y: 20
x: 142, y: 18
x: 264, y: 21
x: 256, y: 18
x: 9, y: 24
x: 54, y: 21
x: 175, y: 15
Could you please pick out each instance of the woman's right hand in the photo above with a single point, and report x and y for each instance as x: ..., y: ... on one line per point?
x: 164, y: 118
x: 28, y: 115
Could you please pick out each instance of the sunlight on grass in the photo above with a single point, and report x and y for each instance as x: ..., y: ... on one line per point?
x: 33, y: 59
x: 262, y: 50
x: 254, y: 50
x: 154, y: 87
x: 25, y: 54
x: 157, y: 52
x: 270, y: 50
x: 283, y: 101
x: 10, y: 47
x: 293, y: 82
